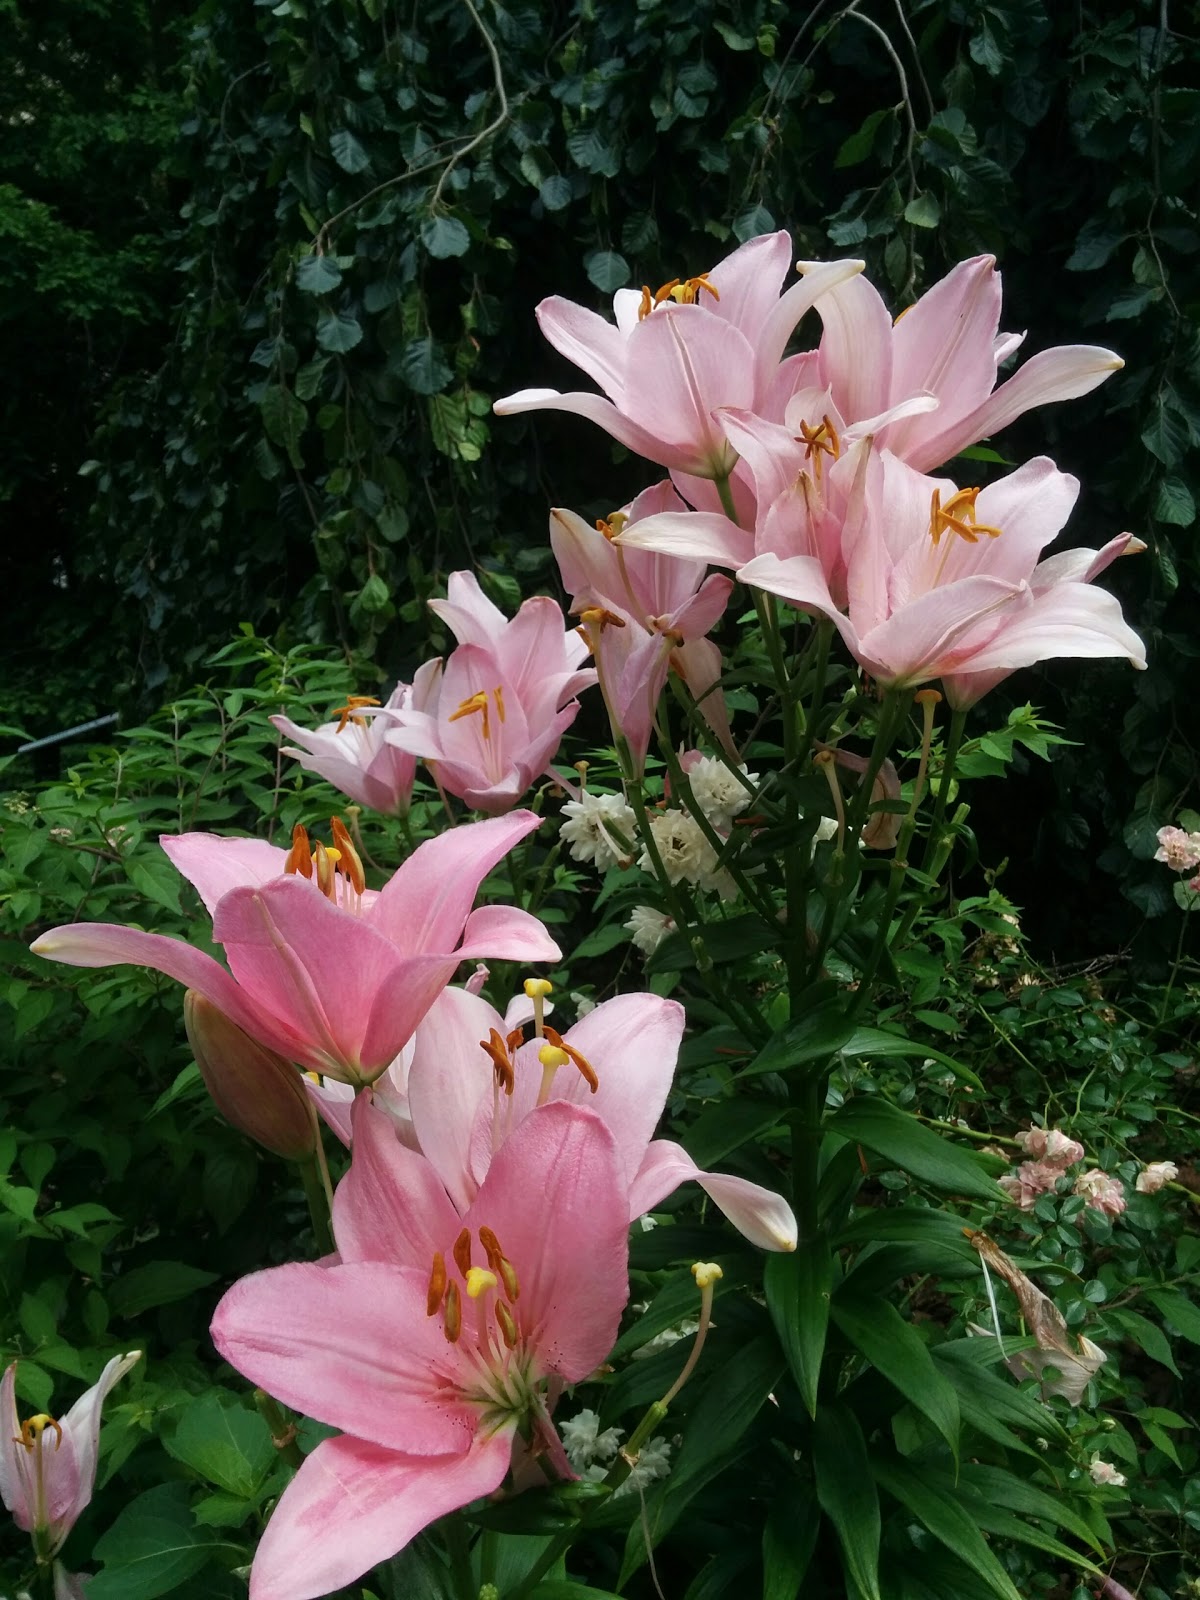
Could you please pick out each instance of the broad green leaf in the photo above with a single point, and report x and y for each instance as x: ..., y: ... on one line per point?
x: 284, y: 419
x: 721, y: 942
x: 338, y: 331
x: 422, y: 366
x: 789, y: 1539
x: 1182, y: 1314
x: 156, y: 879
x: 846, y: 1490
x: 1000, y: 1488
x: 876, y: 1044
x: 877, y: 1330
x: 158, y: 1284
x: 152, y: 1547
x: 226, y: 1444
x: 348, y: 152
x: 969, y: 1365
x: 814, y: 1036
x: 1147, y: 1335
x: 947, y: 1519
x: 444, y: 237
x: 860, y: 144
x: 555, y: 194
x: 317, y: 274
x: 910, y: 1225
x: 923, y: 211
x: 798, y: 1288
x: 906, y: 1143
x: 722, y: 1128
x: 678, y: 1302
x: 607, y: 270
x: 1175, y: 503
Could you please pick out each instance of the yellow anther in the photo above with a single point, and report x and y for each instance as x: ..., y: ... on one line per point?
x: 354, y: 703
x: 507, y: 1324
x: 957, y: 516
x: 479, y: 1281
x: 325, y: 867
x: 537, y: 988
x: 437, y: 1285
x: 553, y: 1056
x: 475, y: 703
x: 706, y: 1274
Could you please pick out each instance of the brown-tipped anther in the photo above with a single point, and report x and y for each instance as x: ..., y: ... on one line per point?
x: 453, y: 1320
x: 507, y: 1324
x: 507, y: 1273
x: 325, y: 863
x: 299, y: 857
x: 462, y: 1252
x: 350, y: 863
x: 438, y: 1282
x: 600, y: 617
x: 33, y: 1428
x: 494, y: 1046
x: 585, y: 1068
x: 515, y: 1040
x: 491, y: 1246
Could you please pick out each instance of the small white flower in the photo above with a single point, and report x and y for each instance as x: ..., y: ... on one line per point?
x: 581, y: 1003
x: 1151, y: 1179
x: 649, y: 928
x: 587, y: 828
x: 686, y: 853
x: 1105, y: 1474
x: 718, y: 792
x: 653, y: 1463
x: 585, y: 1443
x: 669, y: 1336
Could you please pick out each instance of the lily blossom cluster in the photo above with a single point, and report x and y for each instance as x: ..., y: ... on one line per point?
x: 48, y: 1467
x: 808, y: 475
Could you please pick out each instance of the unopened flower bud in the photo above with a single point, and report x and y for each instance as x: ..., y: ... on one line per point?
x: 253, y: 1088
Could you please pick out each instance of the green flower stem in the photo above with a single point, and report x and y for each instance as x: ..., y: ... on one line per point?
x: 318, y: 1204
x: 726, y: 494
x: 283, y: 1432
x: 939, y: 842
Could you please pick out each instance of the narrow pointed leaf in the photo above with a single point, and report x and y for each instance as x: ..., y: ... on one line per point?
x: 789, y: 1539
x: 947, y: 1519
x: 798, y: 1288
x: 847, y: 1493
x: 902, y: 1140
x: 877, y: 1330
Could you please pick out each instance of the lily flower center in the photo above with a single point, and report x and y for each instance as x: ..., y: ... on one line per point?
x: 958, y: 516
x: 494, y: 1289
x: 354, y: 704
x: 331, y: 865
x: 684, y: 292
x: 33, y: 1428
x: 820, y: 441
x: 611, y: 527
x: 477, y: 705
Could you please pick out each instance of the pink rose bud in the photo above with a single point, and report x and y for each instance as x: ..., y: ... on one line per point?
x: 1104, y: 1473
x: 1101, y: 1192
x: 1033, y: 1142
x: 1061, y: 1151
x: 252, y: 1087
x: 1180, y: 850
x: 1152, y: 1178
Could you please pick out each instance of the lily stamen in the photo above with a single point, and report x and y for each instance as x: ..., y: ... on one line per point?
x: 347, y: 712
x: 585, y: 1068
x: 958, y: 516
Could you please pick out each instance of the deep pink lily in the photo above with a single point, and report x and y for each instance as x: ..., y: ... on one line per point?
x: 338, y: 980
x: 471, y: 1085
x: 353, y: 752
x: 945, y: 583
x: 435, y: 1338
x: 947, y: 345
x: 48, y: 1466
x: 673, y: 359
x: 656, y: 614
x: 493, y: 722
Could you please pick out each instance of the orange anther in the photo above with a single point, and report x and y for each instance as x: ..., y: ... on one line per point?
x: 325, y: 864
x: 437, y: 1285
x: 473, y: 704
x: 453, y: 1320
x: 462, y: 1252
x: 515, y: 1040
x: 299, y: 857
x: 346, y: 714
x: 587, y: 1071
x: 350, y: 863
x: 957, y: 516
x: 507, y: 1324
x: 495, y: 1047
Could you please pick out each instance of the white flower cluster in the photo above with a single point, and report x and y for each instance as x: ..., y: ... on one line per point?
x: 649, y: 928
x: 718, y: 792
x: 686, y: 853
x: 588, y: 828
x: 591, y: 1452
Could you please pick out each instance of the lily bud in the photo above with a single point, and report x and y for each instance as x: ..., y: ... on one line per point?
x: 253, y: 1088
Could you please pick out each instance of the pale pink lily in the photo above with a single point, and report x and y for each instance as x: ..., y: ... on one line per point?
x: 666, y: 367
x: 48, y: 1465
x: 463, y: 1116
x: 353, y: 753
x: 505, y: 698
x: 947, y: 345
x: 957, y: 592
x: 657, y: 613
x: 433, y: 1340
x: 335, y: 981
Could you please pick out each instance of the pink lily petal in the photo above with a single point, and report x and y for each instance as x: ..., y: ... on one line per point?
x: 598, y: 410
x: 82, y: 1423
x: 1081, y: 566
x: 68, y: 1585
x: 764, y: 1218
x: 506, y: 934
x: 749, y: 281
x: 353, y: 1505
x: 588, y: 341
x: 105, y: 944
x: 351, y: 1346
x: 467, y: 611
x: 213, y: 866
x: 769, y: 450
x: 391, y: 1206
x: 698, y: 662
x: 451, y: 1077
x: 556, y: 1181
x: 1064, y: 373
x: 696, y: 535
x: 781, y: 322
x: 856, y: 345
x: 682, y: 364
x: 1070, y: 619
x: 334, y: 1102
x: 936, y: 631
x: 800, y: 580
x: 425, y: 904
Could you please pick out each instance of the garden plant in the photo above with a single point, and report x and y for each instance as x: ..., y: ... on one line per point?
x: 587, y: 1119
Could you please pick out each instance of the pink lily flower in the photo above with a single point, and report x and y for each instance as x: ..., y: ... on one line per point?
x: 48, y: 1466
x: 947, y: 345
x: 323, y: 971
x: 654, y: 615
x: 674, y: 358
x: 956, y: 592
x: 492, y: 724
x: 353, y: 753
x: 471, y: 1086
x: 435, y: 1340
